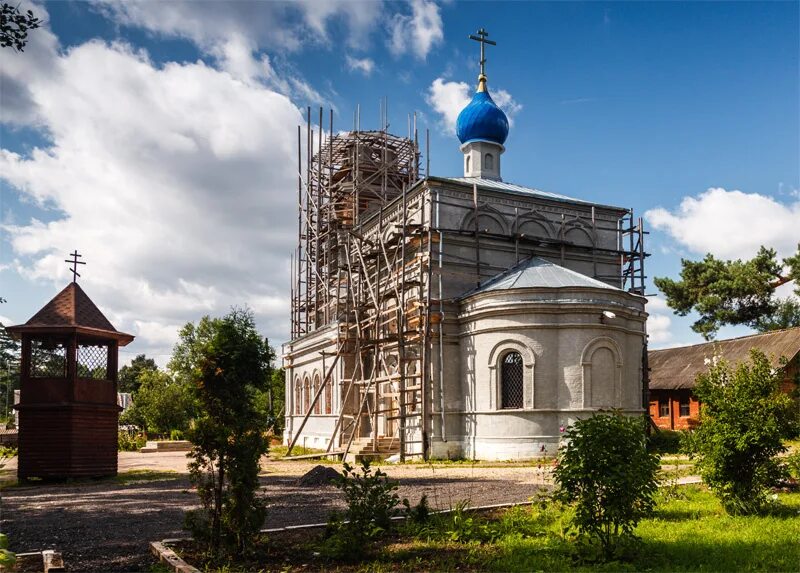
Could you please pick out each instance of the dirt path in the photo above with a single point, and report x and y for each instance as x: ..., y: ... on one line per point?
x: 106, y: 526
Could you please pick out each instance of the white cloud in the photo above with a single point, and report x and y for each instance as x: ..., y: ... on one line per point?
x: 658, y: 328
x: 659, y: 323
x: 18, y: 69
x: 177, y: 184
x: 448, y: 98
x: 418, y: 32
x: 730, y: 224
x: 236, y: 33
x: 364, y: 65
x: 275, y: 25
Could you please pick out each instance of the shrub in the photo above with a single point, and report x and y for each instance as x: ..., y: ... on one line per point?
x: 665, y: 441
x: 606, y: 471
x: 131, y: 442
x: 372, y: 501
x: 744, y: 418
x: 792, y: 462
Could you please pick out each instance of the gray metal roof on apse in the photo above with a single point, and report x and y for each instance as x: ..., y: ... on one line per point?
x: 538, y: 273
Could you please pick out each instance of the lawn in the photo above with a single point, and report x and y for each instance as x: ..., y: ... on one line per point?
x: 689, y: 532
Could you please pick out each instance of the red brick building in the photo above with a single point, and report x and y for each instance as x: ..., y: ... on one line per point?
x: 673, y: 372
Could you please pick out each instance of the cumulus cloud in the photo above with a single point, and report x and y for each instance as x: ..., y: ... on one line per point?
x: 18, y: 104
x: 364, y: 65
x: 730, y: 224
x: 448, y: 98
x: 236, y: 34
x: 416, y: 33
x: 659, y: 322
x: 176, y: 183
x: 273, y: 25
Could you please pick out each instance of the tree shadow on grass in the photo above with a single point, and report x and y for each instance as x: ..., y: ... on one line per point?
x: 701, y: 553
x: 777, y: 511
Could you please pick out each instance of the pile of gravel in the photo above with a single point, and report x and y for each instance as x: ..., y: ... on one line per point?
x: 318, y: 475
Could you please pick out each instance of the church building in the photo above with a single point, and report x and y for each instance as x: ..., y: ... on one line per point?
x: 454, y: 317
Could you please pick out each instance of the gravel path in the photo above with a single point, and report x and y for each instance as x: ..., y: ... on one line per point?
x: 106, y: 526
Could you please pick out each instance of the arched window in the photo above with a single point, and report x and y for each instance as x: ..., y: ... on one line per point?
x: 306, y: 394
x: 511, y: 381
x: 298, y: 396
x: 317, y: 408
x: 488, y: 161
x: 468, y: 164
x: 328, y: 397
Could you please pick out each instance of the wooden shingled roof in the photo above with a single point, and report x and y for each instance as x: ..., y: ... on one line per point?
x: 677, y: 368
x: 71, y: 309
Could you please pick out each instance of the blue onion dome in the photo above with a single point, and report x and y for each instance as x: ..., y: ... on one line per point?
x: 482, y: 119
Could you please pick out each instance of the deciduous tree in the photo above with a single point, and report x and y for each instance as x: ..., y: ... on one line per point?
x: 162, y: 404
x: 744, y: 418
x: 15, y: 25
x: 128, y: 377
x: 9, y: 370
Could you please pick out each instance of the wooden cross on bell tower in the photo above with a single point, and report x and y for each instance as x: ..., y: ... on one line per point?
x: 75, y: 262
x: 481, y: 37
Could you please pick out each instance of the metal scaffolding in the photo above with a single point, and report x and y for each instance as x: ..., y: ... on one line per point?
x: 369, y: 279
x: 364, y: 268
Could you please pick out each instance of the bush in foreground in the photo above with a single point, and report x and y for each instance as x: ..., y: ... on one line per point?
x: 372, y: 501
x: 744, y: 418
x: 604, y: 468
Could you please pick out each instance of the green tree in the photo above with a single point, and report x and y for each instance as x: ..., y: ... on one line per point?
x: 15, y: 25
x: 276, y: 400
x: 228, y: 363
x: 735, y: 292
x: 604, y: 468
x: 9, y: 370
x: 128, y: 377
x: 744, y: 417
x: 161, y: 404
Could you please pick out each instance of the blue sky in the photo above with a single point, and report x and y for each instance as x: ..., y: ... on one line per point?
x: 158, y: 141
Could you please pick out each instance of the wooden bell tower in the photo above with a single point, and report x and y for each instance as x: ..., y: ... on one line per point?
x: 68, y: 411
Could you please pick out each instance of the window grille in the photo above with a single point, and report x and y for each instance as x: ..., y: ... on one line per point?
x: 92, y: 361
x: 511, y: 380
x: 48, y: 360
x: 684, y: 407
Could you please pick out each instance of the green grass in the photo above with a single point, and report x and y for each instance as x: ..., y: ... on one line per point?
x: 687, y: 533
x: 279, y: 452
x: 144, y: 476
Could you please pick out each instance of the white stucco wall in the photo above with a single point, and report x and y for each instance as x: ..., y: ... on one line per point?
x: 558, y: 333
